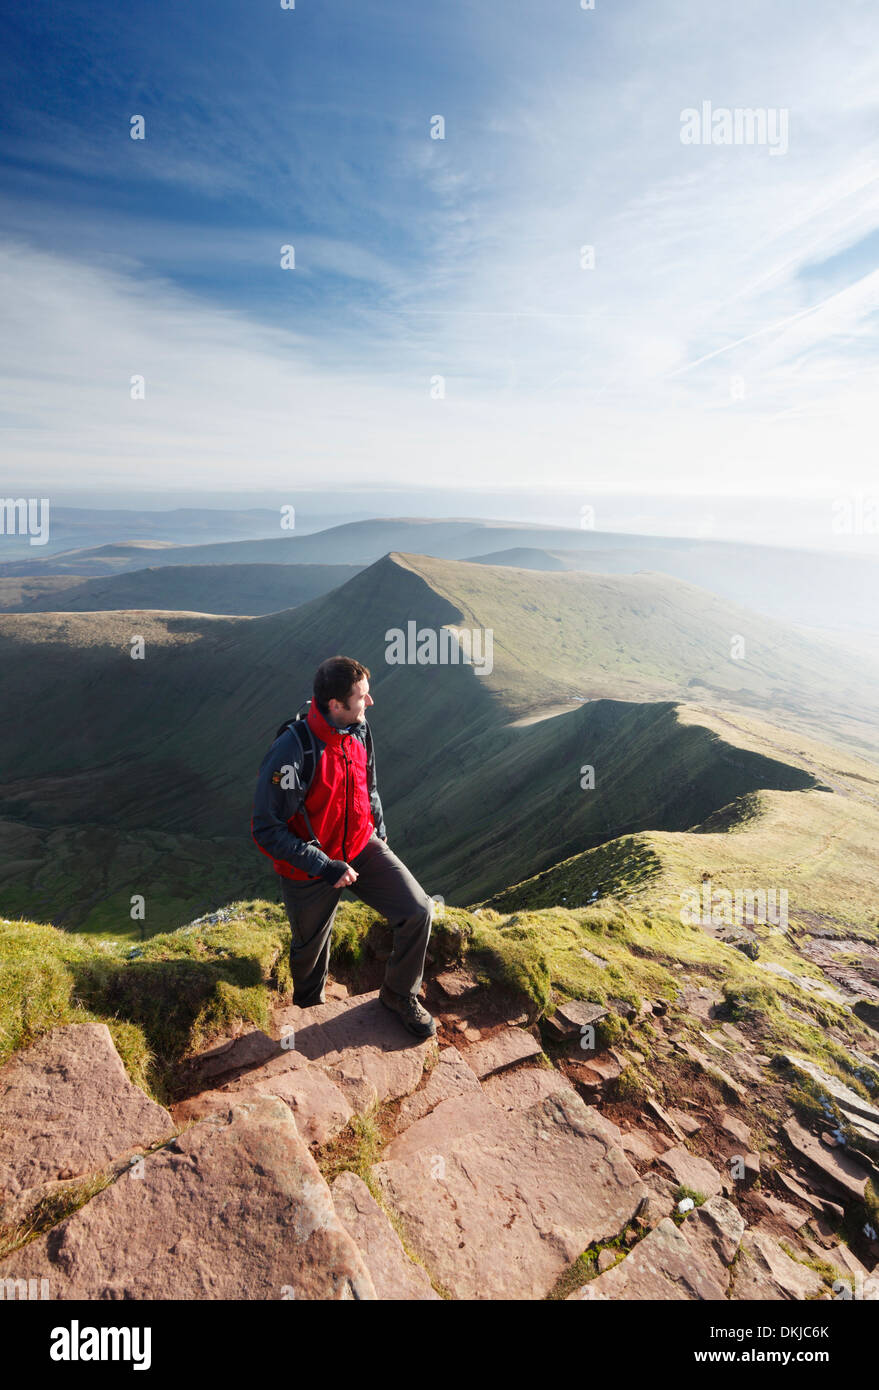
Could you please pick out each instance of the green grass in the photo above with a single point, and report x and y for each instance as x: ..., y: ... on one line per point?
x: 818, y: 846
x: 183, y: 989
x: 182, y: 734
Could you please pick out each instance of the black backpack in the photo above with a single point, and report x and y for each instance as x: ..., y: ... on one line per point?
x: 310, y: 753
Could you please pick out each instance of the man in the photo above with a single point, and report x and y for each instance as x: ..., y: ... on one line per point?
x: 338, y: 840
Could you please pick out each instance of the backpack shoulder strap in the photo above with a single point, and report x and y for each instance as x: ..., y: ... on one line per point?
x: 306, y: 740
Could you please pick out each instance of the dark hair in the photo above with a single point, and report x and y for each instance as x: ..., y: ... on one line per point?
x: 335, y: 678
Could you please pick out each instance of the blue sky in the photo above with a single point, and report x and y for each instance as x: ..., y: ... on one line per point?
x: 724, y: 341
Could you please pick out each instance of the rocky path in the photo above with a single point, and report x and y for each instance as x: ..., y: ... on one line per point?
x: 493, y: 1171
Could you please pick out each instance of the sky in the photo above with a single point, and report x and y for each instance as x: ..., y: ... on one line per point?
x: 441, y: 321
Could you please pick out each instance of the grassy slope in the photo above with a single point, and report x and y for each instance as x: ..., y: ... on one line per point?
x: 170, y: 745
x: 235, y: 589
x: 648, y: 637
x: 522, y: 801
x: 190, y: 986
x: 819, y: 846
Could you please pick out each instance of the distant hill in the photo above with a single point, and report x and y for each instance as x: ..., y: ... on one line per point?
x: 817, y: 589
x: 90, y: 526
x: 128, y: 773
x: 238, y: 589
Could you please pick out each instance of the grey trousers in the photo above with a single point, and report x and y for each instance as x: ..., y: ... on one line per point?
x: 383, y: 883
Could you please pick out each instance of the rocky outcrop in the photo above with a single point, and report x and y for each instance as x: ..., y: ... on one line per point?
x: 67, y: 1111
x: 664, y: 1265
x: 394, y: 1274
x: 836, y: 1172
x: 494, y: 1203
x: 858, y: 1114
x: 765, y: 1271
x: 234, y: 1208
x: 494, y: 1173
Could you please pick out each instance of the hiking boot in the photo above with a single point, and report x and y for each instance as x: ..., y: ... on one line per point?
x: 311, y: 1002
x: 411, y: 1013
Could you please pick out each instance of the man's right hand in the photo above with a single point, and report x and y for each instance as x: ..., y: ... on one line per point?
x: 348, y: 876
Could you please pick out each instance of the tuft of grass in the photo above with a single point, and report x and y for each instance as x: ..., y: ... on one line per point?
x: 54, y: 1207
x: 356, y: 1150
x: 629, y: 1085
x: 183, y: 989
x: 699, y: 1198
x: 585, y: 1268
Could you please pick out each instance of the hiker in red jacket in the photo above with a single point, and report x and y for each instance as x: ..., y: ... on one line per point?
x: 335, y: 838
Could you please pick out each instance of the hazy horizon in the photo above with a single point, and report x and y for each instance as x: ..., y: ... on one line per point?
x: 798, y: 523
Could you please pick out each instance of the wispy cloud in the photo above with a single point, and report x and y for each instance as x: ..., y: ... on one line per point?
x: 704, y: 349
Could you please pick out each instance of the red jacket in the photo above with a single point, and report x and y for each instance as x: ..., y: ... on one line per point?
x: 338, y: 802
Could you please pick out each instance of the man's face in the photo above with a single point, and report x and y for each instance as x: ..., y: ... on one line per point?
x: 353, y: 711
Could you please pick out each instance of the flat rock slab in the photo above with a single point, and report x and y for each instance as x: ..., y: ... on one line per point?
x: 685, y: 1121
x: 715, y: 1231
x: 689, y: 1170
x: 235, y: 1208
x: 698, y: 1000
x: 608, y: 1066
x: 664, y: 1265
x: 806, y: 982
x: 836, y: 1168
x: 641, y: 1144
x: 518, y: 1090
x: 764, y: 1271
x: 236, y: 1054
x: 362, y: 1046
x: 450, y: 1077
x: 447, y: 1123
x: 846, y: 1097
x: 394, y: 1275
x: 735, y: 1034
x: 792, y: 1216
x: 573, y: 1016
x: 864, y: 1129
x: 788, y: 1181
x: 740, y: 1064
x: 500, y: 1206
x: 68, y: 1107
x: 320, y: 1108
x: 503, y: 1050
x: 735, y: 1128
x: 455, y: 984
